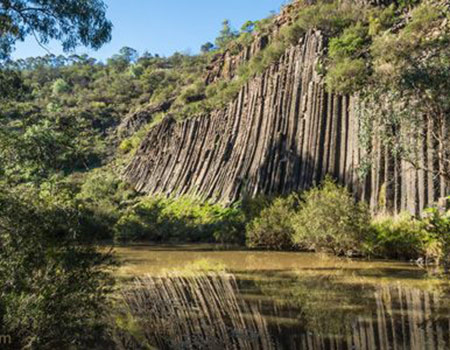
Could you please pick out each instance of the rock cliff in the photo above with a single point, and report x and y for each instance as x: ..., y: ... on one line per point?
x: 284, y: 132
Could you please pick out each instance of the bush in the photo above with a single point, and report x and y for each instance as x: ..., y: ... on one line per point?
x: 349, y: 44
x: 53, y: 282
x: 347, y: 70
x: 99, y: 202
x: 180, y: 219
x: 439, y: 226
x: 331, y: 17
x: 381, y: 20
x: 292, y: 34
x: 346, y: 76
x: 329, y: 219
x: 396, y: 238
x: 272, y: 229
x: 406, y: 237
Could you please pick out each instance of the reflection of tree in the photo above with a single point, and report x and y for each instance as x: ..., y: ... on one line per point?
x: 325, y: 304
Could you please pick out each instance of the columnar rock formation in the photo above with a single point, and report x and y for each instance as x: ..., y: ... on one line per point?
x: 284, y: 132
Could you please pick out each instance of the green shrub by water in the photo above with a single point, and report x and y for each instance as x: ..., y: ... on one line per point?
x: 54, y: 283
x: 406, y: 237
x: 181, y: 219
x: 327, y: 218
x: 273, y: 228
x: 323, y: 218
x: 330, y: 219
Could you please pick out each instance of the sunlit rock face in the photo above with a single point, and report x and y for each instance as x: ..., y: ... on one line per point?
x: 284, y: 132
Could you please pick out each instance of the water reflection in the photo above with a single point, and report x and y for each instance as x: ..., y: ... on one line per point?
x: 199, y: 311
x: 314, y: 303
x: 317, y: 314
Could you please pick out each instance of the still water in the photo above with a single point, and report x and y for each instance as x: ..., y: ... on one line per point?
x: 206, y: 298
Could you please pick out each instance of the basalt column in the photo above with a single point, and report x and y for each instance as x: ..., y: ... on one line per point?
x: 284, y: 132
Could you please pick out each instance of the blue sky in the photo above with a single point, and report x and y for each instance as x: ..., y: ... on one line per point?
x: 164, y: 26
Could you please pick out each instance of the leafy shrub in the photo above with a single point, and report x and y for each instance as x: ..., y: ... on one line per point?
x: 406, y: 237
x: 397, y: 238
x: 381, y: 20
x: 273, y: 228
x: 192, y: 93
x: 424, y: 17
x: 292, y: 34
x: 346, y: 76
x: 180, y: 219
x: 349, y: 44
x: 331, y: 17
x: 438, y: 225
x: 330, y: 219
x: 252, y: 207
x: 347, y: 71
x: 53, y: 282
x: 99, y: 200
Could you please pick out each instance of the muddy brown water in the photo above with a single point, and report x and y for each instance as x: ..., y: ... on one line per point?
x: 313, y: 301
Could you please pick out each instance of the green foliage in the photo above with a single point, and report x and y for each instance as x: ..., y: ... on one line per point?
x: 100, y: 200
x: 329, y: 219
x: 291, y: 34
x: 12, y: 85
x: 346, y: 75
x: 347, y: 69
x: 349, y: 44
x: 438, y: 225
x: 53, y: 282
x: 380, y: 21
x: 181, y: 219
x: 226, y: 35
x: 273, y: 228
x: 207, y: 47
x: 60, y: 86
x: 397, y: 238
x: 192, y: 93
x: 31, y: 151
x: 331, y: 17
x: 71, y: 22
x: 406, y: 237
x: 424, y: 17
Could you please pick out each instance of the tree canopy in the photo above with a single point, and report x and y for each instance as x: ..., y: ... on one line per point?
x: 72, y: 22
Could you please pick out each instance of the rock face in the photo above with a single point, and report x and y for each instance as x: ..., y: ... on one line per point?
x: 283, y: 133
x: 134, y: 121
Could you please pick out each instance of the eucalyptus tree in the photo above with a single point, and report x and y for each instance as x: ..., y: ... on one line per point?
x: 72, y: 22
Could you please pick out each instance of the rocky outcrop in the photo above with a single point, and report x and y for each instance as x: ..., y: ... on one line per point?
x: 224, y: 65
x: 283, y: 133
x: 135, y: 120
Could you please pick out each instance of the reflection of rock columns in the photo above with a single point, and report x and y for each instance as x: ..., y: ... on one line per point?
x: 201, y: 311
x: 206, y: 311
x: 405, y: 319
